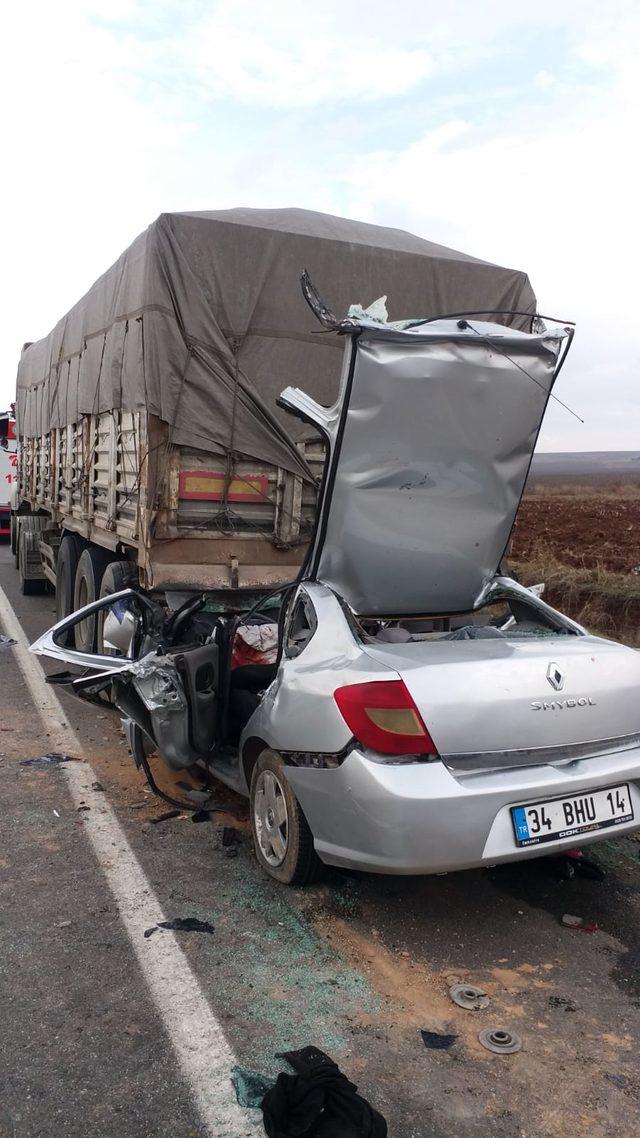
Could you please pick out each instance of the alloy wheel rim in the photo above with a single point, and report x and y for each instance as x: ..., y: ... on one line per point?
x: 271, y: 818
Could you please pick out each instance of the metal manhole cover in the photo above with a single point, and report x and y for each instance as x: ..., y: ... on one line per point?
x: 469, y: 997
x: 499, y: 1040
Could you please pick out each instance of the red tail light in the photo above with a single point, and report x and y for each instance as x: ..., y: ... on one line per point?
x: 383, y: 716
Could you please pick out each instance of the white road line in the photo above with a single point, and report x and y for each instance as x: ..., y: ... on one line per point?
x: 203, y: 1053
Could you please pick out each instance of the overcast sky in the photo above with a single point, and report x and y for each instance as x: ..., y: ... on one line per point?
x: 505, y: 129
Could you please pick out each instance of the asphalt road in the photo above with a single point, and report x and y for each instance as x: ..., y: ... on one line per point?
x: 357, y: 965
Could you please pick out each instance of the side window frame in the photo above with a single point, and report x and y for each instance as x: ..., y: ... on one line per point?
x: 302, y: 611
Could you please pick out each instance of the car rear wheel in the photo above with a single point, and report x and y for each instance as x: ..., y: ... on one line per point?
x: 282, y: 839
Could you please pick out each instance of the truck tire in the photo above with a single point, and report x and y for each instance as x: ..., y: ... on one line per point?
x: 13, y: 530
x: 118, y: 575
x: 25, y: 523
x: 27, y: 552
x: 91, y: 566
x: 69, y: 552
x: 282, y: 840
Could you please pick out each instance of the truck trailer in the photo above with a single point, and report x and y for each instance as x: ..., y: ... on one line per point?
x: 152, y: 450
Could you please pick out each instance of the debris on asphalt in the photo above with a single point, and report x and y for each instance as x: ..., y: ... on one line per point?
x: 318, y: 1099
x: 469, y: 997
x: 165, y: 817
x: 250, y: 1086
x: 52, y: 759
x: 181, y: 925
x: 97, y: 786
x: 83, y: 807
x: 436, y: 1041
x: 63, y: 924
x: 198, y: 797
x: 621, y: 1081
x: 571, y: 922
x: 56, y: 813
x: 563, y: 1002
x: 6, y: 642
x: 230, y: 836
x: 231, y: 851
x: 201, y: 816
x: 500, y: 1041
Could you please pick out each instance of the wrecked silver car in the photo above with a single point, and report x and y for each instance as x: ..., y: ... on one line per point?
x: 404, y: 706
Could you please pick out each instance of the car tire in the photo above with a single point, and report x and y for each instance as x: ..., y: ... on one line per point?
x: 91, y: 567
x: 69, y: 553
x: 117, y: 575
x: 282, y: 840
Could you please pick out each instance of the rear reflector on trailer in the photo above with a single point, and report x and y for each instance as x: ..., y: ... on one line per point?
x: 209, y: 485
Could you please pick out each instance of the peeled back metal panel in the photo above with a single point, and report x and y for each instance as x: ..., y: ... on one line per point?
x: 433, y: 440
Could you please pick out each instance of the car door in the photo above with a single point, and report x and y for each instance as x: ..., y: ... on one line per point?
x: 166, y: 684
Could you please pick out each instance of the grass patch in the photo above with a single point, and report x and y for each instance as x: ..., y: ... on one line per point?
x: 605, y: 602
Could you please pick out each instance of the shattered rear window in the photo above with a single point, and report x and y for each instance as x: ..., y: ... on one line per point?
x: 507, y: 618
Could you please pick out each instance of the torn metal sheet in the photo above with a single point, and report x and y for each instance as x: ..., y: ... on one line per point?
x: 430, y: 445
x: 158, y: 685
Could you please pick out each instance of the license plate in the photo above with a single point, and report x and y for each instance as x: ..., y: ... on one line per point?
x: 578, y: 814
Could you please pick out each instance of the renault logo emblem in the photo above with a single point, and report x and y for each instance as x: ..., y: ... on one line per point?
x: 555, y: 677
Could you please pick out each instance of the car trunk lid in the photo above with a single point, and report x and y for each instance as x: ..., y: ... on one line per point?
x: 508, y: 702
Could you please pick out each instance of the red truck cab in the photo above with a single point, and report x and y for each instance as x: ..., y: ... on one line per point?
x: 8, y: 463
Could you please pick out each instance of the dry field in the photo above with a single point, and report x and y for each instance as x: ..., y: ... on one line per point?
x: 583, y: 541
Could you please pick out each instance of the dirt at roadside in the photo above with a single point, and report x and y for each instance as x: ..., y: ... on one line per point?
x: 583, y: 530
x: 576, y: 1072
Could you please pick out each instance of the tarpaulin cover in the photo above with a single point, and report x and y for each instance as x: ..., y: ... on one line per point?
x: 201, y: 322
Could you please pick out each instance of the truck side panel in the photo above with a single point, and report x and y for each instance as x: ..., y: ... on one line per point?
x: 187, y: 517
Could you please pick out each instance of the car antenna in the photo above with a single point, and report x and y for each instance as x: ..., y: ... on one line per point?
x: 462, y: 324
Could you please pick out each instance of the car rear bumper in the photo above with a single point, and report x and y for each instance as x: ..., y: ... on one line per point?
x: 421, y: 818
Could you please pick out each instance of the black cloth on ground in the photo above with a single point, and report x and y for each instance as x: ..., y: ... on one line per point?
x: 318, y: 1102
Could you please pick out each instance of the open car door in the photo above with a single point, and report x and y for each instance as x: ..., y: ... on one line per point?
x: 164, y: 684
